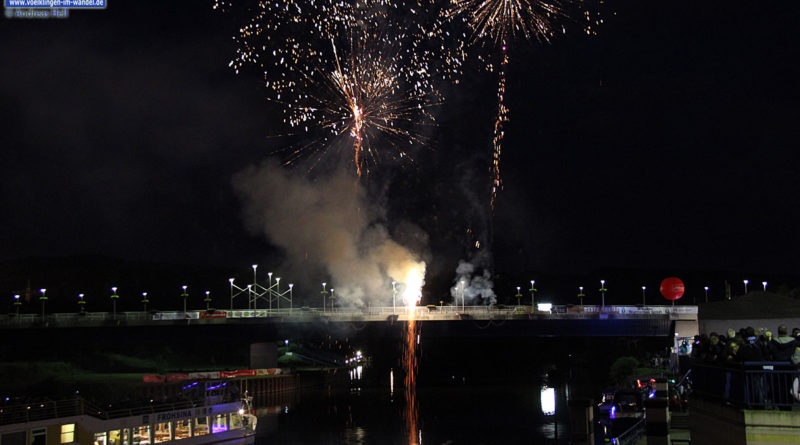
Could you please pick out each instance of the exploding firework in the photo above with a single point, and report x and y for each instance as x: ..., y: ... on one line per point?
x: 349, y: 74
x: 500, y: 22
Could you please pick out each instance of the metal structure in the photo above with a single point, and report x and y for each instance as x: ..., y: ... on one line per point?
x: 269, y: 292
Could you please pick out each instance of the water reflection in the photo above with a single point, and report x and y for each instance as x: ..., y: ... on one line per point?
x: 410, y: 367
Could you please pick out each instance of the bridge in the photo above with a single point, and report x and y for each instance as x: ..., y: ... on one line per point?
x: 525, y: 321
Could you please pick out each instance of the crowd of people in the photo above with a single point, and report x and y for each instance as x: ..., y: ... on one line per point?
x: 748, y: 345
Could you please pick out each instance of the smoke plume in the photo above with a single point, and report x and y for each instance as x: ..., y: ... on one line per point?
x: 476, y: 287
x: 329, y: 223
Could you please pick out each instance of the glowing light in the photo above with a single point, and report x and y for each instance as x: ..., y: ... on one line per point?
x: 544, y: 307
x: 414, y: 279
x: 548, y: 400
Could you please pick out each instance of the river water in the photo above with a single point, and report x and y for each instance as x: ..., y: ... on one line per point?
x: 370, y: 407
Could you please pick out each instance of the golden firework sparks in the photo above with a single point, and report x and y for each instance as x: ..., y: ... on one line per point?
x: 501, y: 21
x: 376, y: 86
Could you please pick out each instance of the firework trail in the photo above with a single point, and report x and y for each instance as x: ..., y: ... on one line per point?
x: 349, y: 74
x: 502, y: 21
x: 410, y: 359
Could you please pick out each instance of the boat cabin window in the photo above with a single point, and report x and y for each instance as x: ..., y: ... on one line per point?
x: 182, y: 429
x: 114, y: 438
x: 39, y: 436
x: 162, y: 432
x: 236, y: 420
x: 15, y: 438
x: 201, y: 426
x: 68, y: 433
x: 141, y: 435
x: 126, y: 436
x: 220, y: 423
x: 100, y: 439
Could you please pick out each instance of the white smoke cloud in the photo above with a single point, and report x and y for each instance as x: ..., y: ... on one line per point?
x: 327, y: 222
x: 476, y: 288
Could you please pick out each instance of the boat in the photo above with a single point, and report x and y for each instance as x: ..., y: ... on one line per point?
x: 77, y: 421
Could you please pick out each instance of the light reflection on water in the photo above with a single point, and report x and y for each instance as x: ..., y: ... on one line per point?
x: 450, y: 413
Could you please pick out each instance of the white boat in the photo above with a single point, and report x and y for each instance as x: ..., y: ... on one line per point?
x: 77, y: 422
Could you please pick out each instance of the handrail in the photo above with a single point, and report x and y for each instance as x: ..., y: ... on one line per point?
x: 30, y: 412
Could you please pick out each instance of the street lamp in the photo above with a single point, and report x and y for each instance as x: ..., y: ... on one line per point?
x: 532, y: 290
x: 745, y: 286
x: 185, y: 296
x: 644, y: 290
x: 581, y: 294
x: 114, y: 298
x: 764, y: 283
x: 394, y: 297
x: 333, y: 298
x: 255, y: 266
x: 706, y: 290
x: 462, y: 295
x: 603, y: 295
x: 43, y: 300
x: 207, y: 299
x: 81, y: 303
x: 518, y: 295
x: 17, y: 303
x: 144, y: 302
x: 324, y: 294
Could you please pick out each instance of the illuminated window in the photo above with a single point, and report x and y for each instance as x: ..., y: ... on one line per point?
x: 162, y: 433
x: 68, y: 433
x: 201, y: 426
x: 220, y: 423
x: 100, y: 439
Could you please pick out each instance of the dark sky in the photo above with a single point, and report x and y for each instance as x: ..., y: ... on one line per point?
x: 667, y: 141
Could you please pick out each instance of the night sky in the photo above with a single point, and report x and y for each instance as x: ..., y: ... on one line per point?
x: 668, y: 141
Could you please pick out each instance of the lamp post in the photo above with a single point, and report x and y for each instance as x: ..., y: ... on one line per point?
x: 255, y: 279
x: 532, y: 290
x: 144, y: 302
x: 746, y: 282
x: 706, y: 291
x: 43, y: 300
x: 324, y: 295
x: 207, y: 299
x: 17, y: 303
x: 185, y: 296
x: 603, y: 295
x: 764, y: 283
x: 581, y: 294
x: 644, y: 290
x: 518, y: 295
x: 394, y: 297
x: 81, y: 304
x: 114, y: 298
x: 462, y: 295
x: 333, y: 298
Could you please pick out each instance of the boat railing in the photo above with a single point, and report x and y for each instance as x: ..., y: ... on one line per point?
x: 53, y: 409
x: 31, y: 412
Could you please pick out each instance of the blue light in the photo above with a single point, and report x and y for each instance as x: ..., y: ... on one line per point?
x: 613, y: 413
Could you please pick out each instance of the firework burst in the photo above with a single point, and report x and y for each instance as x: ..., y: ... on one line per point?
x: 500, y: 22
x: 354, y: 74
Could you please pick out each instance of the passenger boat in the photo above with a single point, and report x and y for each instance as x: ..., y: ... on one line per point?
x: 76, y: 421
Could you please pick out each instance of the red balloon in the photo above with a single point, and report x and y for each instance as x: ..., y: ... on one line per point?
x: 672, y: 288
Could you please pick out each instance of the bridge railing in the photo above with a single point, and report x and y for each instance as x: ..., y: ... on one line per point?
x: 370, y: 313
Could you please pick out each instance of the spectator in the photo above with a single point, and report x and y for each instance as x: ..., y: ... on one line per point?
x: 783, y: 347
x: 751, y: 350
